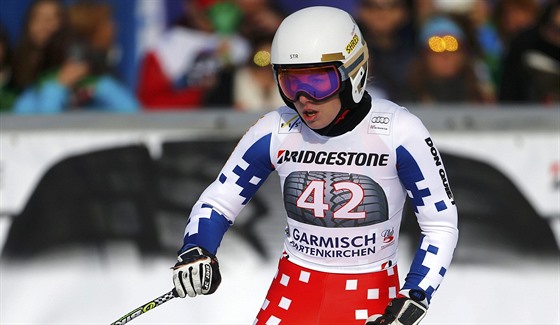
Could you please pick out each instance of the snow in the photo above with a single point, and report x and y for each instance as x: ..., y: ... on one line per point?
x: 86, y: 286
x: 488, y: 283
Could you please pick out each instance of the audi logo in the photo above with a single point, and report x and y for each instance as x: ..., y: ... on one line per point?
x: 380, y: 119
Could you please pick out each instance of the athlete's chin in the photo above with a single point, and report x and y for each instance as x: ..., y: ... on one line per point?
x: 316, y: 125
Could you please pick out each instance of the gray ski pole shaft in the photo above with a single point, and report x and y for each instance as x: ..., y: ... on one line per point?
x: 146, y: 307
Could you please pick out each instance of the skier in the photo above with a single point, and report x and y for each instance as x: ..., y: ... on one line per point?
x: 346, y: 164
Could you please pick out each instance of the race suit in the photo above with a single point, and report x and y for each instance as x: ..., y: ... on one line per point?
x: 344, y: 199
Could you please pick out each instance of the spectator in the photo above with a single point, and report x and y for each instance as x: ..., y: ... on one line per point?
x: 482, y: 18
x: 192, y: 64
x: 389, y: 33
x: 254, y: 84
x: 513, y: 16
x: 43, y: 19
x: 423, y: 10
x: 260, y: 19
x: 8, y: 92
x: 254, y: 87
x: 532, y: 64
x: 446, y: 70
x: 74, y: 74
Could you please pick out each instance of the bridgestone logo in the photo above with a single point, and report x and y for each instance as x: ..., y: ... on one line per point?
x: 333, y: 158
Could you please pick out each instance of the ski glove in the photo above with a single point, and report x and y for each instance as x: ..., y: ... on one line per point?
x: 196, y: 272
x: 402, y: 311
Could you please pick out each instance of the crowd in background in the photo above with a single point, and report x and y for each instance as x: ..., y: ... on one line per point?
x: 215, y: 55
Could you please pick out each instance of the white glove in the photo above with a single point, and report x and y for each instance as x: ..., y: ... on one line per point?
x: 196, y: 272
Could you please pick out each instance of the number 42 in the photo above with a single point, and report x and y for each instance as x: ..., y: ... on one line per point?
x: 313, y: 198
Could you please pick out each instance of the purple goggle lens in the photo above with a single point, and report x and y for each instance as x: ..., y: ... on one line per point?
x: 317, y: 83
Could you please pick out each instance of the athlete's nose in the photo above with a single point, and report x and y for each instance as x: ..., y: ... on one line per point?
x: 303, y: 99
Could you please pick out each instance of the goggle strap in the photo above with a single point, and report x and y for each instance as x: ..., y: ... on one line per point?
x: 350, y: 68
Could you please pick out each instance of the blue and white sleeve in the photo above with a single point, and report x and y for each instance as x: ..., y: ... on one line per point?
x: 422, y: 173
x: 243, y: 174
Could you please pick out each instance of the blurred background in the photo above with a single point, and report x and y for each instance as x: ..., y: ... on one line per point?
x: 116, y: 114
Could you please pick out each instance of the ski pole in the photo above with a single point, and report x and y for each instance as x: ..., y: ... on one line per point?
x: 146, y: 307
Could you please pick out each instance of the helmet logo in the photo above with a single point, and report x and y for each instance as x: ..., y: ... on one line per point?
x: 332, y: 57
x: 352, y: 44
x: 294, y: 56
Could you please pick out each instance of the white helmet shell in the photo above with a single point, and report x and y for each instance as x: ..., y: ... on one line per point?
x: 319, y: 35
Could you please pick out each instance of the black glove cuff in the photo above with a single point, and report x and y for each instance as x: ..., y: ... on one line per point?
x: 417, y: 295
x: 194, y: 254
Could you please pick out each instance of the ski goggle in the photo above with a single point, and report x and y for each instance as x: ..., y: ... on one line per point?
x: 317, y: 83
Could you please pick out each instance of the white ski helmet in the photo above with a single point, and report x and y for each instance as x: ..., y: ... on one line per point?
x: 318, y: 36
